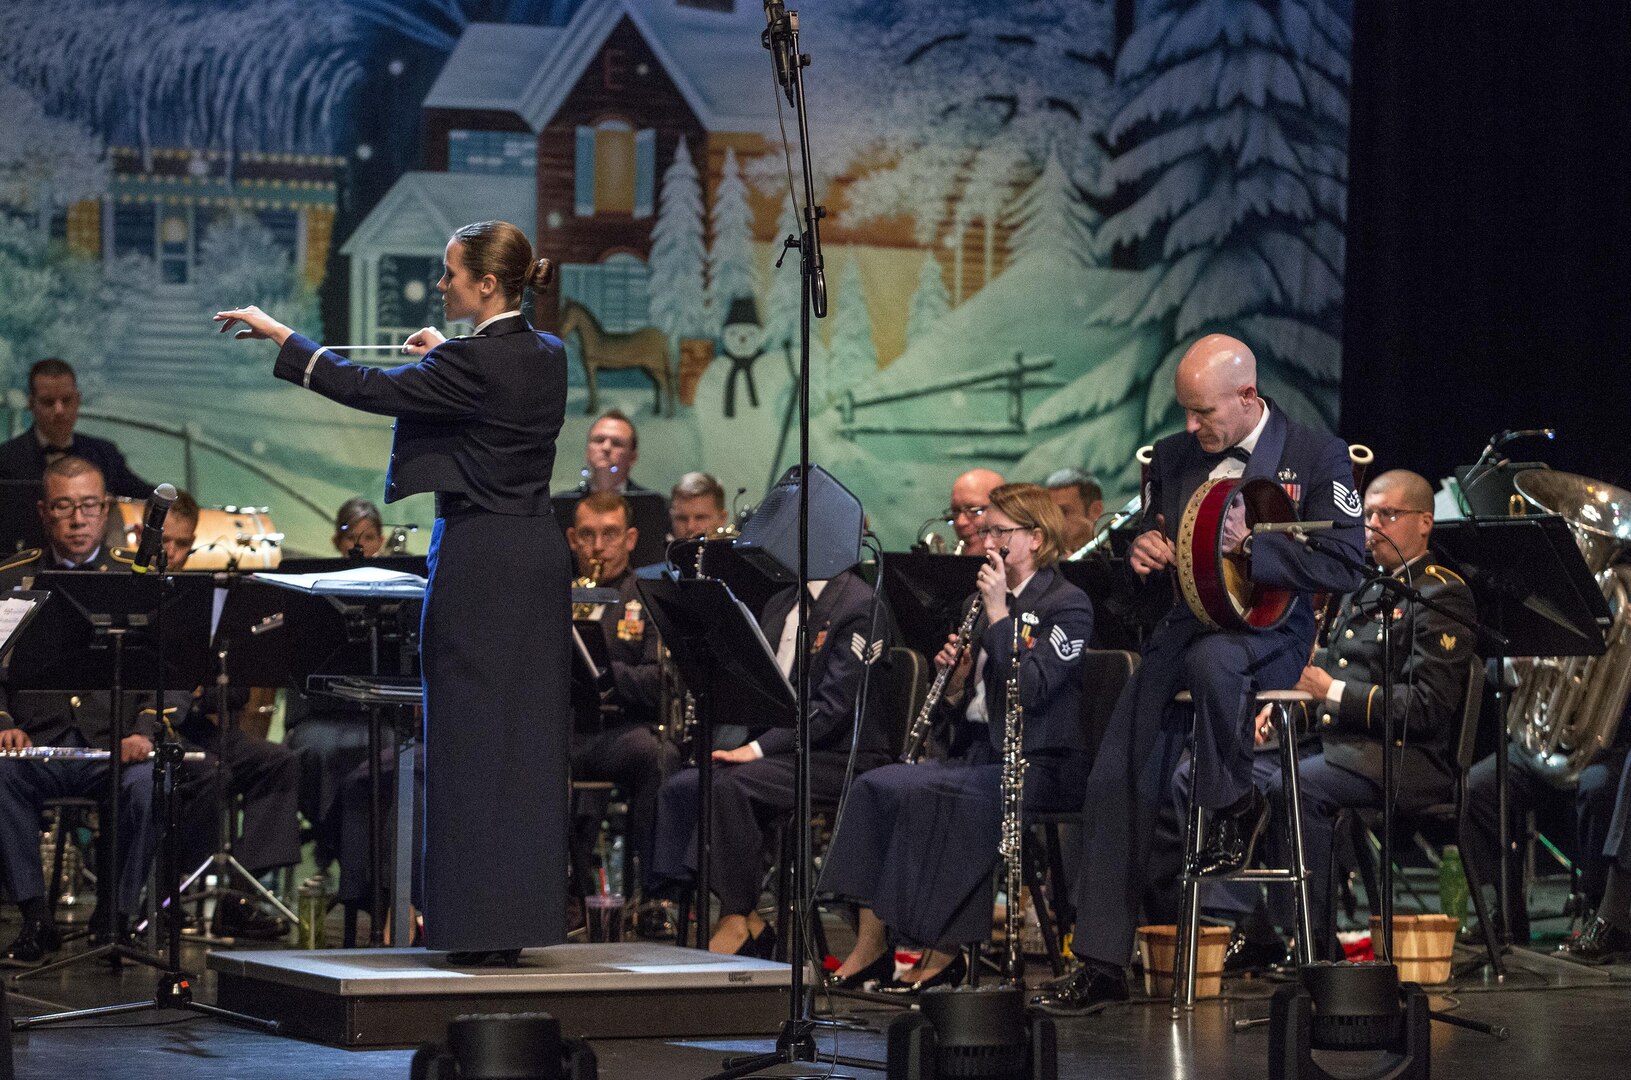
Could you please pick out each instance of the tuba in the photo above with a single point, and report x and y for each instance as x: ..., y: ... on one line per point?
x: 1566, y: 708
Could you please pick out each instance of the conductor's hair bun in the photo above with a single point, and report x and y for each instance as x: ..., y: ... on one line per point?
x: 542, y: 273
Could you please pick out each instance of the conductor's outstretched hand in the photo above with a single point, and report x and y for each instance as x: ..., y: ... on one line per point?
x: 256, y: 324
x: 423, y: 341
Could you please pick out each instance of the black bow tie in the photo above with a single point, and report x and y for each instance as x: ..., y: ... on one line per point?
x: 1239, y: 453
x: 49, y: 449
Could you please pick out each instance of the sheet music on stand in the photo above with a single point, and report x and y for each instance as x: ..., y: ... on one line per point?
x: 362, y: 582
x: 17, y: 610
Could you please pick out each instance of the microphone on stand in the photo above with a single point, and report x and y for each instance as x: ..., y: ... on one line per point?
x: 1295, y: 528
x: 775, y: 39
x: 1513, y: 436
x: 158, y: 508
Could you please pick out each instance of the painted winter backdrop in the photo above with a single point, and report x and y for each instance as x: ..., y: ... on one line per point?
x: 1033, y: 208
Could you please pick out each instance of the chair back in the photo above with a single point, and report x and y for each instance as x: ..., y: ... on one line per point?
x: 1105, y: 673
x: 1472, y: 709
x: 908, y: 686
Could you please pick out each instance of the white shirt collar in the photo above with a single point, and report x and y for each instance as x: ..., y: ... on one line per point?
x: 485, y: 323
x: 1249, y: 443
x: 64, y: 563
x: 1020, y: 588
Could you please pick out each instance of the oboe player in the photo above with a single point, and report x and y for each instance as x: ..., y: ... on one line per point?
x: 477, y: 419
x: 918, y: 841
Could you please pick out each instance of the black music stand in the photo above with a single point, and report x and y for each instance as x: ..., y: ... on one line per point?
x: 343, y: 627
x: 1531, y: 584
x: 926, y: 592
x: 82, y: 644
x: 722, y: 655
x: 721, y: 559
x: 245, y: 653
x: 20, y: 516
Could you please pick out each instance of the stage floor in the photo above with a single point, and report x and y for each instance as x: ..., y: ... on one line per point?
x: 1564, y: 1020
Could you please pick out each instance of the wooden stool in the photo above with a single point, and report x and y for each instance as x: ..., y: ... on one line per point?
x: 1295, y: 875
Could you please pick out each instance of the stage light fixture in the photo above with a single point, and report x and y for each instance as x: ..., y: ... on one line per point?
x: 504, y: 1046
x: 973, y: 1033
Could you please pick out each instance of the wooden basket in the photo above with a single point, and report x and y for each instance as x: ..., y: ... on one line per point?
x: 1422, y: 946
x: 1158, y: 947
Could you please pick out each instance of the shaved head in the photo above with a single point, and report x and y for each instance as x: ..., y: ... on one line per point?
x: 1216, y: 386
x: 1398, y: 518
x: 1406, y: 490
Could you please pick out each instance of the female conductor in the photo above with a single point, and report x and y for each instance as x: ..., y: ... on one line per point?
x: 476, y: 422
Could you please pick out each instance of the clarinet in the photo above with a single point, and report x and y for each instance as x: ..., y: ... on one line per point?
x: 917, y: 736
x: 1012, y: 846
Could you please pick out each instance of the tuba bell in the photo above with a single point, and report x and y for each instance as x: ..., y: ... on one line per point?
x: 1566, y: 708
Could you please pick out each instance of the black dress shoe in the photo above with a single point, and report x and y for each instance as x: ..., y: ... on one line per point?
x: 1086, y: 991
x: 761, y: 946
x: 484, y: 958
x: 1601, y: 942
x: 952, y: 974
x: 35, y: 941
x: 878, y: 973
x: 1231, y: 839
x: 1243, y: 955
x: 238, y: 916
x: 655, y: 921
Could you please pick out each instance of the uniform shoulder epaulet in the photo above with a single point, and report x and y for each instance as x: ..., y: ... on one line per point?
x: 22, y: 558
x: 122, y: 556
x: 1443, y: 573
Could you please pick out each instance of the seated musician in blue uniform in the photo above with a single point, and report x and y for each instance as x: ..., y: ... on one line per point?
x: 1229, y: 431
x: 918, y: 841
x: 616, y: 737
x: 73, y: 513
x: 54, y: 400
x: 753, y: 784
x: 1343, y: 769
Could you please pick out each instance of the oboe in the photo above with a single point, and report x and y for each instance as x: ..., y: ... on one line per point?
x: 1012, y: 847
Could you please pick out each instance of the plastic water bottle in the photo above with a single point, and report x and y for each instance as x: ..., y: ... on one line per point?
x: 1452, y: 885
x: 614, y: 867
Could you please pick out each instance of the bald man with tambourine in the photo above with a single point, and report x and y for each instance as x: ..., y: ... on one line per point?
x: 1231, y: 432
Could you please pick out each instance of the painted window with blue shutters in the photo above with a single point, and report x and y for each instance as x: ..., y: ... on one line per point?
x: 615, y: 171
x: 496, y: 153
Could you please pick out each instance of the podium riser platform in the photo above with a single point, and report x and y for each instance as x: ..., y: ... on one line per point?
x: 392, y: 998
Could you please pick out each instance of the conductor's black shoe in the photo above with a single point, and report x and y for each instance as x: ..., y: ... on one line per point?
x: 35, y: 941
x: 1244, y: 955
x: 1601, y: 942
x: 1086, y: 991
x: 1231, y: 839
x: 484, y: 958
x: 238, y: 916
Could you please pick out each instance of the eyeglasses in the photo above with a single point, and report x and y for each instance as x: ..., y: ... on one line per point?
x: 62, y: 509
x: 1389, y: 514
x: 964, y: 511
x: 1000, y: 530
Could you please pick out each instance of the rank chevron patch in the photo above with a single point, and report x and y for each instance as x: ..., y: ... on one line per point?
x: 1347, y: 499
x: 858, y: 646
x: 1067, y: 648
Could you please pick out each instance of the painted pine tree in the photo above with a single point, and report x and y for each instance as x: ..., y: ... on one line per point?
x: 930, y: 302
x: 730, y: 256
x: 1050, y: 220
x: 853, y: 357
x: 677, y: 253
x: 1232, y: 145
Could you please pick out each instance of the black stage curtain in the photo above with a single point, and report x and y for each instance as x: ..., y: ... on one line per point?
x: 1489, y: 232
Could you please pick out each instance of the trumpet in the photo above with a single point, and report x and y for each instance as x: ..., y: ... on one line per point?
x: 580, y: 612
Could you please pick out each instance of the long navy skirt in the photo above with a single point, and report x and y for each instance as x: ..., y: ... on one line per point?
x: 498, y: 732
x: 918, y: 843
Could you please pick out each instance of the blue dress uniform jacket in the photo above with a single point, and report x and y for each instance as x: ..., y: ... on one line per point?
x: 477, y: 420
x: 476, y: 415
x: 918, y: 842
x: 1430, y: 654
x: 751, y: 797
x: 23, y: 458
x: 1132, y: 774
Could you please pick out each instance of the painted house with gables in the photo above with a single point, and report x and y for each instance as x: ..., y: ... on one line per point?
x: 564, y: 130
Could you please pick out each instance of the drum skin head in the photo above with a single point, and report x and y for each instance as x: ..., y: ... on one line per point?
x: 1217, y: 587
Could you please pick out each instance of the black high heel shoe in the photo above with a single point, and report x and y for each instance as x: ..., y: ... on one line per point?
x: 761, y: 946
x: 880, y: 972
x: 952, y: 974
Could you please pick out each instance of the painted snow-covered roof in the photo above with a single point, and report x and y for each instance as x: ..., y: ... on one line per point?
x: 422, y: 209
x: 714, y: 58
